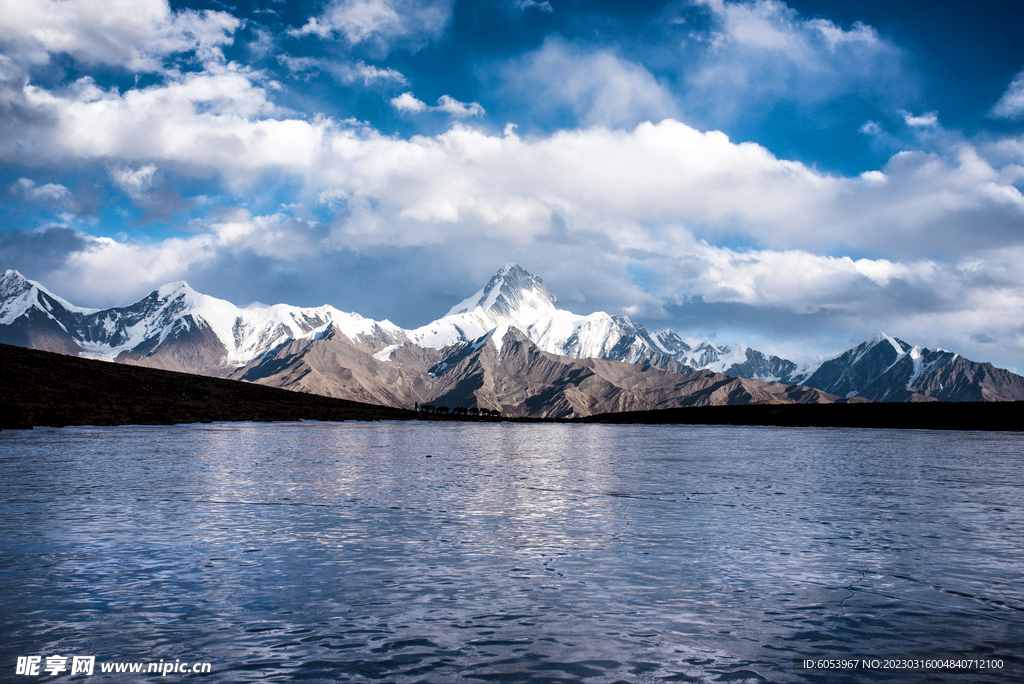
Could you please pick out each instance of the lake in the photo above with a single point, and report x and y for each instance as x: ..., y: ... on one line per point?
x: 454, y: 552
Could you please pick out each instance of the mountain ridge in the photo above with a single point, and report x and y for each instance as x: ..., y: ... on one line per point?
x: 327, y: 351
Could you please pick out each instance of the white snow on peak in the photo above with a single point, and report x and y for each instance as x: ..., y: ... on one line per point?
x: 515, y: 298
x: 176, y: 289
x: 710, y: 356
x: 514, y: 293
x: 385, y: 353
x: 246, y: 333
x: 915, y: 355
x: 900, y: 351
x: 498, y: 336
x: 19, y: 294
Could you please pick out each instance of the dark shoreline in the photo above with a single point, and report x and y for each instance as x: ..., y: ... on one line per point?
x: 42, y: 388
x: 47, y: 389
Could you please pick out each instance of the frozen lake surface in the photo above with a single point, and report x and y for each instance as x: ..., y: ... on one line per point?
x: 514, y: 553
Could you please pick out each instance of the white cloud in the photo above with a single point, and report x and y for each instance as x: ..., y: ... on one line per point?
x: 108, y: 270
x: 594, y: 87
x: 665, y: 175
x: 407, y: 102
x: 302, y: 67
x: 773, y: 26
x: 136, y: 34
x: 459, y: 109
x: 135, y: 182
x: 219, y: 119
x: 870, y: 128
x: 49, y: 192
x: 1011, y: 104
x: 349, y: 72
x: 762, y: 51
x: 382, y: 23
x: 793, y: 279
x: 929, y: 120
x: 280, y: 236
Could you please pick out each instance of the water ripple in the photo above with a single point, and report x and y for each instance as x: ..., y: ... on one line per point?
x: 337, y: 553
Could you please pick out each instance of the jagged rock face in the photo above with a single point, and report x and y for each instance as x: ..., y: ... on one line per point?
x: 525, y: 380
x: 943, y: 376
x: 885, y: 368
x: 333, y: 365
x: 855, y: 369
x: 190, y: 346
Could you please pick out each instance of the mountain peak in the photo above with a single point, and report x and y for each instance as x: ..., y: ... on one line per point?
x: 898, y: 345
x: 512, y: 290
x: 175, y: 289
x: 12, y: 281
x: 18, y: 294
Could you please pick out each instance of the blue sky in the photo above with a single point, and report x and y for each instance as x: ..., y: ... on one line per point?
x: 793, y: 176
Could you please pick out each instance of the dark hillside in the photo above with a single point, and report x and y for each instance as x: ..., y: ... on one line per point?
x: 43, y: 388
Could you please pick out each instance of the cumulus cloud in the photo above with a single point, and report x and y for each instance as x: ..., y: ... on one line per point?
x: 136, y: 34
x: 564, y: 84
x: 382, y: 24
x: 300, y: 67
x: 666, y: 175
x: 1011, y: 104
x: 460, y: 109
x: 407, y: 102
x: 219, y: 118
x: 279, y: 235
x: 346, y: 72
x: 135, y: 182
x: 53, y: 193
x: 929, y: 120
x: 753, y: 53
x: 351, y: 72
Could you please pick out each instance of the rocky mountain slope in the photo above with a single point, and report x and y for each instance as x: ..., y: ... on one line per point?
x: 510, y: 374
x: 174, y: 327
x: 885, y: 368
x: 508, y: 347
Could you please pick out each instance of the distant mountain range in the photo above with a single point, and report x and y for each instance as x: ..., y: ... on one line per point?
x: 510, y: 347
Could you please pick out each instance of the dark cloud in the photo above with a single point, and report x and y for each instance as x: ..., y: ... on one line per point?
x: 38, y: 252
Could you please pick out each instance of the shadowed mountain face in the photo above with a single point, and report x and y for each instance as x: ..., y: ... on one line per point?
x: 885, y: 368
x: 508, y: 347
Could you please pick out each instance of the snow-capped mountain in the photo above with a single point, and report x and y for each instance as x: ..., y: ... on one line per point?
x: 321, y: 349
x: 32, y: 316
x: 515, y: 298
x: 737, y: 359
x: 173, y: 327
x: 885, y: 368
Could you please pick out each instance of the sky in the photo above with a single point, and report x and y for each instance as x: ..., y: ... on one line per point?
x: 794, y: 176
